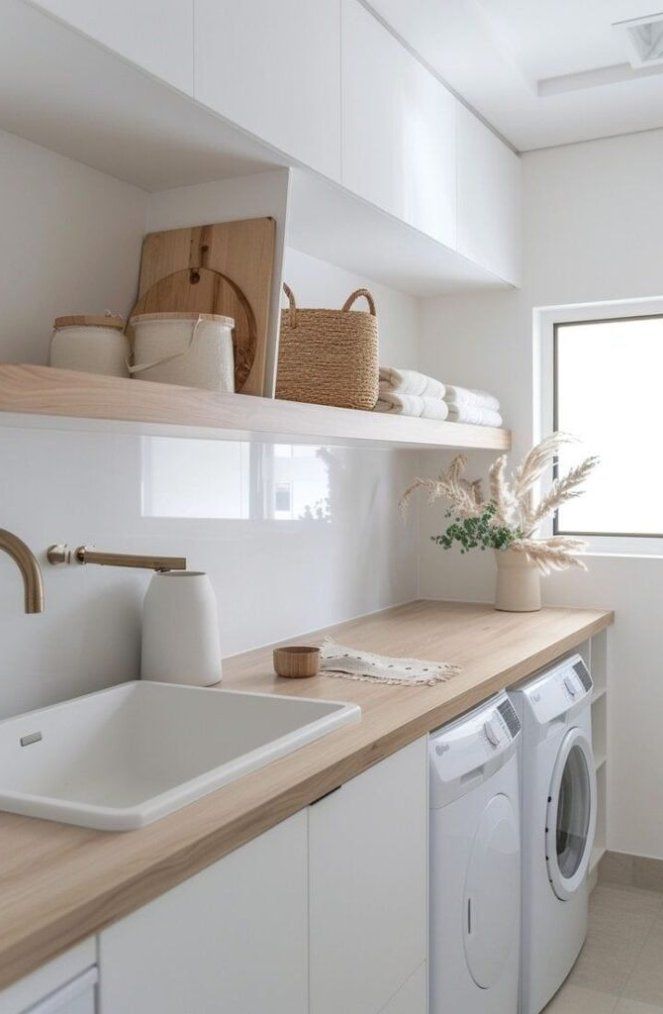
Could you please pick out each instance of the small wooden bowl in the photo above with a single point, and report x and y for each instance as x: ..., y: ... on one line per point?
x: 296, y: 661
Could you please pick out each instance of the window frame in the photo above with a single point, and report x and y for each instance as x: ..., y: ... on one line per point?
x: 547, y: 321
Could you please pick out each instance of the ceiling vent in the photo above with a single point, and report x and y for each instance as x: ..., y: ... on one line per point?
x: 644, y: 37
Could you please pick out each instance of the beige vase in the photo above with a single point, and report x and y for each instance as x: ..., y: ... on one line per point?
x: 518, y: 587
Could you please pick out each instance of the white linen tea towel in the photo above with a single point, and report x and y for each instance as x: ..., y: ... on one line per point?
x: 349, y: 663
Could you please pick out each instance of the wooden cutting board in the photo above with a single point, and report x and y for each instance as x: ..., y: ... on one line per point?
x: 225, y: 268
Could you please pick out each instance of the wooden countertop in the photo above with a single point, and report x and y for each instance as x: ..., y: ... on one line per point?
x: 59, y: 883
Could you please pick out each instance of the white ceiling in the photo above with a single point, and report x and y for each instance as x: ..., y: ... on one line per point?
x: 541, y: 72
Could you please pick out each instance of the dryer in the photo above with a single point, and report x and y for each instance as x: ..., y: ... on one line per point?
x: 475, y: 862
x: 558, y: 819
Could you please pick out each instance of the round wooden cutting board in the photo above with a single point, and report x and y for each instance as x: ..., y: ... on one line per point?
x: 202, y: 290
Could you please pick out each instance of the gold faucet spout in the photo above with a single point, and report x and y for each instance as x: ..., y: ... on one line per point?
x: 30, y: 570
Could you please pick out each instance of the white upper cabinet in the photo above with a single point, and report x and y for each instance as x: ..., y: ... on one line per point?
x: 368, y: 849
x: 399, y: 128
x: 274, y: 69
x: 232, y: 938
x: 155, y: 34
x: 489, y: 184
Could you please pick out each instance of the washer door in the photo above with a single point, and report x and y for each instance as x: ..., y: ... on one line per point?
x: 571, y: 815
x: 492, y: 893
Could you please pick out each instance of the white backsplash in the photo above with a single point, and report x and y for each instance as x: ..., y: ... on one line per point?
x: 293, y: 538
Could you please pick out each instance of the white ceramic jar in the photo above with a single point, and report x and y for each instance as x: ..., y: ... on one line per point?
x: 180, y: 641
x: 190, y: 349
x: 90, y: 344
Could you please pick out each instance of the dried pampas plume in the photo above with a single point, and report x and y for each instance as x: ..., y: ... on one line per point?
x: 511, y: 511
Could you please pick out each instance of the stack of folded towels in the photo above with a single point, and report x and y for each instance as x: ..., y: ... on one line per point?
x: 476, y: 407
x: 407, y: 392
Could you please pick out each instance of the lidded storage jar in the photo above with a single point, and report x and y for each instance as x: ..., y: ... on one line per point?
x: 90, y: 344
x: 190, y: 349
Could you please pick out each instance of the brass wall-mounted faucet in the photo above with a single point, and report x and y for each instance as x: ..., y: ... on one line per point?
x: 26, y: 562
x: 85, y: 554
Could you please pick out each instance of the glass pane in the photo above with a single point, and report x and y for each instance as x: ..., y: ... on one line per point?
x: 608, y: 381
x: 573, y: 813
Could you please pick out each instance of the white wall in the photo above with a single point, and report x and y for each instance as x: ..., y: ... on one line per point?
x: 593, y: 217
x: 71, y: 243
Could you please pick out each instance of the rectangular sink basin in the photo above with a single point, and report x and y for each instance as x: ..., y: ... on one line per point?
x: 121, y: 758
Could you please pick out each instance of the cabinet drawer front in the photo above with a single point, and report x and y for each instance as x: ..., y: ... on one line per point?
x: 232, y: 938
x: 368, y: 846
x: 412, y: 997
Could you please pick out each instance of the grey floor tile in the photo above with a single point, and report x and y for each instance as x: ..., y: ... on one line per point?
x: 577, y: 1000
x: 645, y: 982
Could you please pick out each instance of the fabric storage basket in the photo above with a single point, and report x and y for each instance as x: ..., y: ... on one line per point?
x: 190, y: 349
x: 329, y: 357
x: 90, y: 344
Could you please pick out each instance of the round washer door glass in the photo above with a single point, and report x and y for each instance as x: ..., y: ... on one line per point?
x: 571, y: 816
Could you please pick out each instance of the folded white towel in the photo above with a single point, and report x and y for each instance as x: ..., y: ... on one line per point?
x: 461, y: 396
x: 410, y: 404
x: 410, y: 382
x: 475, y: 415
x: 338, y: 660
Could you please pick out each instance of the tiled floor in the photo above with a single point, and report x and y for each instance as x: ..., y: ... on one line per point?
x: 620, y: 968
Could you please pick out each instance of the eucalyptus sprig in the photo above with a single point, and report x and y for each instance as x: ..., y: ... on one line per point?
x: 478, y: 532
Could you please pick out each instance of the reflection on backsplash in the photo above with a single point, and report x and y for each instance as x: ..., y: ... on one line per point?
x: 235, y: 480
x: 343, y: 552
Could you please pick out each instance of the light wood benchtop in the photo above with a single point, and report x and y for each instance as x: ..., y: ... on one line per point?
x: 59, y: 884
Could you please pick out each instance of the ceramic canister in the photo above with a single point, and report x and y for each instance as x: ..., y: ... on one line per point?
x: 90, y: 344
x: 180, y: 641
x: 191, y: 349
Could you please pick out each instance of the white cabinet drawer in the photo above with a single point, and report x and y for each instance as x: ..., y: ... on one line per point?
x: 231, y: 938
x: 399, y: 128
x: 274, y: 69
x: 76, y: 997
x: 368, y: 848
x: 155, y: 34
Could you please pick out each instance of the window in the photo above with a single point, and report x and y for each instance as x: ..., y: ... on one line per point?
x: 606, y: 389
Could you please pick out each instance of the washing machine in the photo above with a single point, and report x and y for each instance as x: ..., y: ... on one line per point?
x: 475, y: 862
x: 558, y: 819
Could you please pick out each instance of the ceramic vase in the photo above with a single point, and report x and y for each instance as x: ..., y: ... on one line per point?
x: 518, y: 587
x: 181, y: 630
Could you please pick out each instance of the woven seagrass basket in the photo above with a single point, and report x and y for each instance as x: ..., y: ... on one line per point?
x: 329, y: 357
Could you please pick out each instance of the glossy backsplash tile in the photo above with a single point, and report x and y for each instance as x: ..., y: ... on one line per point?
x: 293, y: 537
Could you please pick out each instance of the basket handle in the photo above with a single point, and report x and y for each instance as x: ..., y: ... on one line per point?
x: 367, y: 296
x: 292, y: 304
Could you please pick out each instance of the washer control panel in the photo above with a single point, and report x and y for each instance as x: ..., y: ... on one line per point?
x: 559, y: 689
x: 472, y: 748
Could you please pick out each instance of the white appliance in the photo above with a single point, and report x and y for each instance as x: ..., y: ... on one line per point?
x: 475, y: 862
x: 558, y: 812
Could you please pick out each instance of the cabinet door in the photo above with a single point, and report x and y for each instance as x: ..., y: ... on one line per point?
x: 274, y: 69
x: 412, y: 997
x: 368, y: 885
x: 155, y: 34
x: 232, y: 938
x: 399, y: 125
x: 489, y: 183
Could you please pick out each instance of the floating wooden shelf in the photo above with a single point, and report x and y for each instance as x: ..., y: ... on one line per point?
x: 43, y: 391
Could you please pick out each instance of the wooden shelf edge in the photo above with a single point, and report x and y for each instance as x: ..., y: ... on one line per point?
x: 42, y: 390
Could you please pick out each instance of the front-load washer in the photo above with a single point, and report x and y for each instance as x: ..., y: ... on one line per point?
x: 475, y: 862
x: 558, y: 820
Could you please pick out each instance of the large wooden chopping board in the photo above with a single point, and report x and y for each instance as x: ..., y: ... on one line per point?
x: 225, y: 268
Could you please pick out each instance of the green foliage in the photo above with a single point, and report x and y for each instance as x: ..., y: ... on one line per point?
x: 478, y: 532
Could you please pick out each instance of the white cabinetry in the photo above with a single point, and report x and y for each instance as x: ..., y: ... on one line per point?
x: 65, y: 985
x: 368, y: 845
x: 489, y: 181
x: 399, y: 128
x: 274, y: 69
x: 232, y: 938
x: 155, y: 34
x: 412, y: 998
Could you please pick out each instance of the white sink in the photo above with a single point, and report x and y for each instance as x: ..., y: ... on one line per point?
x: 123, y: 757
